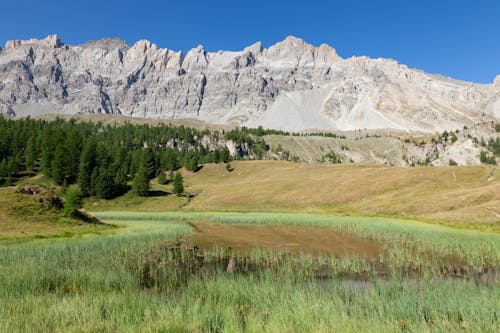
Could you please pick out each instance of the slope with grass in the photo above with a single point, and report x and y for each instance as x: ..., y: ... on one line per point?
x: 22, y: 217
x: 460, y: 196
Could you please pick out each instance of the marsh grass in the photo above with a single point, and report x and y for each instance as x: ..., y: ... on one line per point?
x: 406, y: 241
x: 128, y: 280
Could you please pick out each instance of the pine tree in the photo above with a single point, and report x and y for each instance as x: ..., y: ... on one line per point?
x: 140, y: 185
x: 120, y: 180
x: 191, y: 163
x: 171, y: 160
x: 4, y: 171
x: 94, y: 179
x: 30, y: 155
x: 224, y: 156
x: 178, y: 184
x: 162, y: 180
x: 148, y: 163
x: 87, y: 166
x: 105, y: 184
x: 58, y: 166
x: 72, y: 147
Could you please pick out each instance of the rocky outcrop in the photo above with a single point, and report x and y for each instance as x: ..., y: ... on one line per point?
x: 291, y: 85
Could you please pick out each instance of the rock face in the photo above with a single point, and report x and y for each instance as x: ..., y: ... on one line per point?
x: 291, y: 85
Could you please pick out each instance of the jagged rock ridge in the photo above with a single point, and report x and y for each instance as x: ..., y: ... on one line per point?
x: 291, y: 85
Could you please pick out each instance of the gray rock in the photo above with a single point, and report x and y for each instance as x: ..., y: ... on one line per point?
x: 291, y: 85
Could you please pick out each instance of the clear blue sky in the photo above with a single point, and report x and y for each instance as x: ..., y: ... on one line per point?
x: 457, y: 38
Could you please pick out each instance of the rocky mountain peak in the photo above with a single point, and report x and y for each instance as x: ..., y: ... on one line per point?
x: 51, y: 41
x: 107, y: 44
x: 289, y: 51
x: 496, y: 82
x: 195, y: 59
x: 255, y: 48
x: 291, y: 85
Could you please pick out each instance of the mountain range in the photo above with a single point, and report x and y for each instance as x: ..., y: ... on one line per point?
x: 291, y: 85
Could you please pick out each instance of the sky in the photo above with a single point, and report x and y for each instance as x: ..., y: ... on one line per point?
x: 460, y: 38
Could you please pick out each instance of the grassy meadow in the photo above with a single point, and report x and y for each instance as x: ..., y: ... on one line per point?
x: 135, y: 278
x: 268, y: 247
x: 466, y: 197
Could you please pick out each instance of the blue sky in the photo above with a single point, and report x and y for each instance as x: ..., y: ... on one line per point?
x: 457, y: 38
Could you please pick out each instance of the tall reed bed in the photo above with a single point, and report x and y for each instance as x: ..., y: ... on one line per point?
x: 406, y: 242
x: 131, y: 281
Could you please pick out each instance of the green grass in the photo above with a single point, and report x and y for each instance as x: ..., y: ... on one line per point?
x: 95, y: 283
x: 474, y: 247
x: 23, y: 217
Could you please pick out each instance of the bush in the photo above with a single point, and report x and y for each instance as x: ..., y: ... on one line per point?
x: 74, y: 200
x: 452, y: 162
x: 486, y: 159
x: 229, y: 168
x: 453, y: 138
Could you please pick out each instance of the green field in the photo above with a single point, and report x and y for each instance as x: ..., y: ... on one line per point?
x: 135, y: 277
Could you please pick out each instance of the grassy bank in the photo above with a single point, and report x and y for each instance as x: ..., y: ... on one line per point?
x: 23, y: 217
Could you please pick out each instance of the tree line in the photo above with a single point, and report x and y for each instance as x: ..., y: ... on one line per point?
x: 104, y: 159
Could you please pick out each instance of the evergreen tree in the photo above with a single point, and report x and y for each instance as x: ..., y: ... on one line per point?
x: 171, y: 160
x: 8, y: 181
x: 94, y: 180
x: 4, y: 171
x: 216, y: 157
x: 105, y: 184
x: 140, y: 185
x: 178, y: 184
x: 162, y: 180
x: 30, y: 155
x: 87, y: 166
x: 72, y: 147
x: 224, y: 156
x: 121, y: 180
x: 191, y: 163
x: 58, y: 166
x: 148, y: 163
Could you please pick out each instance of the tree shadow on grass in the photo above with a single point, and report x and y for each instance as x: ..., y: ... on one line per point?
x: 158, y: 193
x: 198, y: 168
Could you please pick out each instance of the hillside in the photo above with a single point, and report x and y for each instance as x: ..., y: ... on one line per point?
x: 463, y: 196
x: 24, y: 217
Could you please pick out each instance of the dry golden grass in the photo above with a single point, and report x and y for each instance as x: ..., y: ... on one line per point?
x: 467, y: 196
x: 459, y: 196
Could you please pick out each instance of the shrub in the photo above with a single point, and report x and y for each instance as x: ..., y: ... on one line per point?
x: 74, y: 200
x: 452, y: 162
x: 486, y: 159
